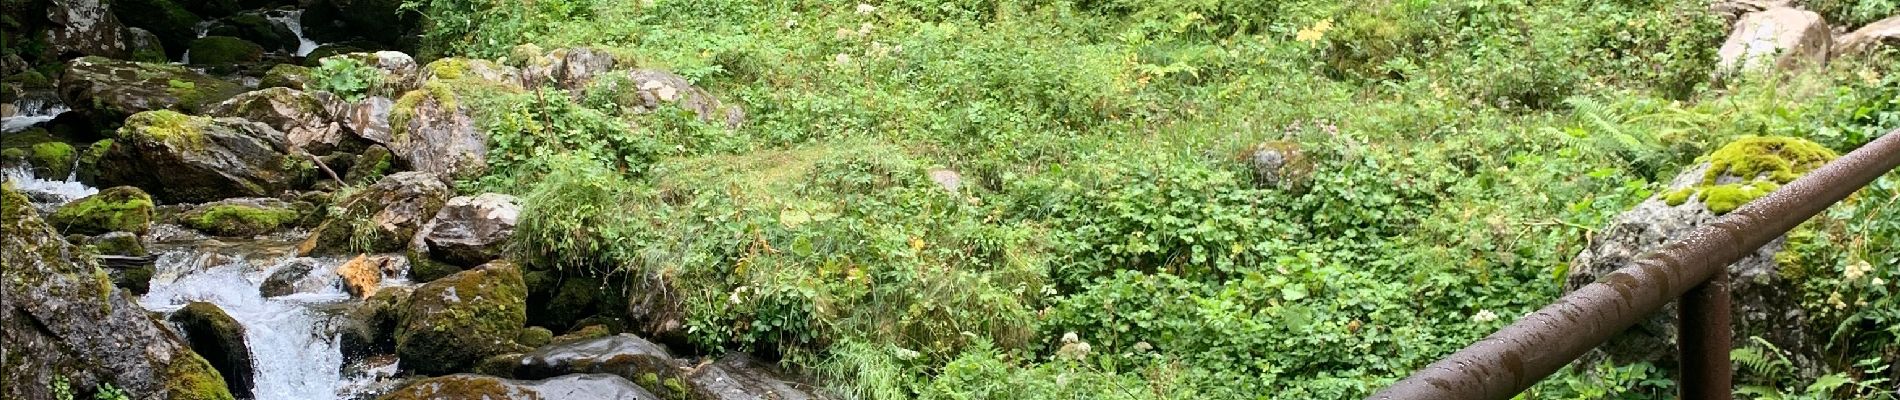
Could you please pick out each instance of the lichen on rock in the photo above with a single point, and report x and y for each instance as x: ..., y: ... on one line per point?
x: 1751, y: 167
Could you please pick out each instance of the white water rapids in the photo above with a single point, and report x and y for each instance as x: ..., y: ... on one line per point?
x: 293, y: 19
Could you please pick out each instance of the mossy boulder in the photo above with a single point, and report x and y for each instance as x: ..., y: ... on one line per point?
x: 454, y: 322
x: 370, y: 327
x: 375, y: 163
x: 383, y: 217
x: 105, y: 91
x: 187, y: 159
x: 224, y: 50
x: 88, y: 170
x: 64, y: 319
x: 244, y: 216
x: 122, y: 208
x: 534, y: 336
x: 431, y: 132
x: 1751, y: 167
x: 53, y: 160
x: 286, y: 76
x: 255, y: 28
x: 220, y: 339
x: 174, y: 25
x: 330, y: 49
x: 572, y: 387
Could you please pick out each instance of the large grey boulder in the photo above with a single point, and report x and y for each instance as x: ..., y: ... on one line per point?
x: 739, y: 377
x: 571, y: 387
x: 431, y: 133
x: 1779, y: 39
x: 84, y: 28
x: 186, y: 159
x: 63, y: 319
x: 1765, y: 302
x: 469, y: 231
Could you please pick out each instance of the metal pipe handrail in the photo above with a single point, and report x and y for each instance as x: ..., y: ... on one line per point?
x: 1514, y: 358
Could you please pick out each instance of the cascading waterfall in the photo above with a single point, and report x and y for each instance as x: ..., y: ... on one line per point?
x: 31, y: 110
x: 294, y: 350
x: 294, y: 20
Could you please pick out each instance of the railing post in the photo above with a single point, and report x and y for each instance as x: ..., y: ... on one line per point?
x: 1702, y: 321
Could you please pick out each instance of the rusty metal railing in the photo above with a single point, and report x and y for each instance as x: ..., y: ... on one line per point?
x: 1516, y: 357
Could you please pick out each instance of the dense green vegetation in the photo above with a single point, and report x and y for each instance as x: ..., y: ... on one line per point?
x: 1108, y: 237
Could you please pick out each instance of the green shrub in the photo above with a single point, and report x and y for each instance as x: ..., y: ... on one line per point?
x: 345, y: 76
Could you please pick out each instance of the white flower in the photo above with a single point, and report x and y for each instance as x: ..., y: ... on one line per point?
x: 1071, y: 337
x: 841, y: 59
x: 1878, y: 282
x: 865, y: 9
x: 1484, y: 316
x: 864, y: 29
x: 1856, y: 270
x: 1835, y: 299
x: 843, y: 33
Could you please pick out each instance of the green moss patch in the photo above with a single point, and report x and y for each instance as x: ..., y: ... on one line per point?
x: 190, y: 377
x: 1761, y: 163
x: 53, y: 159
x: 119, y: 209
x: 239, y: 219
x: 225, y: 50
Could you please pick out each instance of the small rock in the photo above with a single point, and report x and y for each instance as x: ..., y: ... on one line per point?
x: 295, y: 277
x: 364, y: 274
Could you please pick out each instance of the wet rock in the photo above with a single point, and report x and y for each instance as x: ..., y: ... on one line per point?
x: 469, y: 231
x: 63, y: 319
x: 575, y: 387
x: 652, y: 89
x: 739, y: 377
x: 293, y: 277
x: 144, y: 46
x: 224, y: 50
x: 118, y: 244
x: 106, y: 91
x: 371, y: 326
x: 122, y: 208
x: 220, y: 339
x: 363, y: 275
x: 1765, y: 302
x: 290, y: 76
x: 383, y: 217
x: 84, y: 28
x: 1778, y: 39
x: 88, y: 169
x: 1869, y: 39
x: 256, y: 28
x: 450, y: 324
x: 307, y: 125
x: 316, y: 56
x: 430, y: 133
x: 1279, y: 164
x: 369, y: 118
x: 584, y: 333
x: 623, y: 355
x: 243, y: 217
x: 201, y: 159
x: 174, y: 25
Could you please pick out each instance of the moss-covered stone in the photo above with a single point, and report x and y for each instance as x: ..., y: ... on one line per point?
x: 187, y: 159
x: 107, y: 91
x: 584, y: 333
x: 28, y: 78
x: 190, y: 377
x: 454, y: 322
x: 53, y: 160
x: 122, y: 208
x: 286, y: 76
x: 118, y: 244
x: 241, y: 218
x: 425, y: 269
x: 88, y: 171
x: 1751, y: 167
x: 218, y: 50
x: 219, y: 338
x: 534, y: 336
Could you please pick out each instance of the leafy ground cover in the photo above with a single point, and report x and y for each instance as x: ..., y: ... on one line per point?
x: 1108, y: 236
